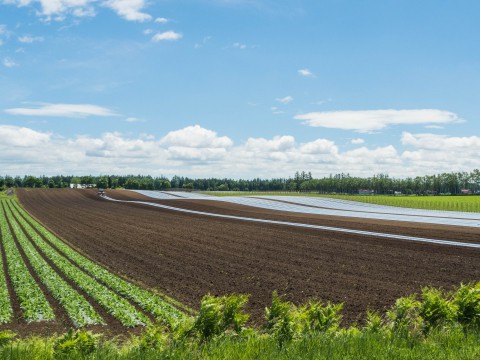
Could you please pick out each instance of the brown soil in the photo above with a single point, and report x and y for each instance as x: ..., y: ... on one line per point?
x: 444, y: 232
x: 187, y: 256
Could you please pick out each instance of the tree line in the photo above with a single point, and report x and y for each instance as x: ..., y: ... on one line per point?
x: 447, y: 183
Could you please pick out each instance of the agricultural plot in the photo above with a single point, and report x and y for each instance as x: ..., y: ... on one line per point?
x: 445, y: 203
x: 44, y: 278
x: 188, y: 255
x: 340, y: 208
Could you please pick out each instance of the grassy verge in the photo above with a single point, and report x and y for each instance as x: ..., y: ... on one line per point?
x: 453, y: 344
x: 432, y: 325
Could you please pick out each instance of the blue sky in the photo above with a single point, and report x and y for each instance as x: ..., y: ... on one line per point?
x: 239, y: 88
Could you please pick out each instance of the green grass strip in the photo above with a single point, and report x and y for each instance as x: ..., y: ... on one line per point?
x: 6, y: 311
x: 33, y: 303
x: 148, y: 301
x: 443, y: 203
x: 117, y: 306
x: 79, y: 310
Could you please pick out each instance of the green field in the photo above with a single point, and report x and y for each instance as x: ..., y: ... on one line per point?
x: 449, y: 203
x: 54, y: 262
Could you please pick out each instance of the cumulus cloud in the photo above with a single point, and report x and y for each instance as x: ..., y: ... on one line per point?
x: 240, y: 46
x: 30, y: 39
x: 441, y: 152
x: 357, y: 141
x: 197, y: 151
x: 374, y: 120
x: 161, y: 20
x: 9, y: 63
x: 167, y: 36
x: 278, y: 143
x: 58, y: 9
x: 129, y: 9
x: 196, y: 137
x: 306, y: 73
x: 64, y: 110
x: 22, y: 137
x: 437, y: 142
x: 285, y: 100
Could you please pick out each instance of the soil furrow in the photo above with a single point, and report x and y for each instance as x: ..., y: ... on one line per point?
x: 186, y: 256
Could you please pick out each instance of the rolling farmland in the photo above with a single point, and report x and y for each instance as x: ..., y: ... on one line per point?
x: 186, y: 255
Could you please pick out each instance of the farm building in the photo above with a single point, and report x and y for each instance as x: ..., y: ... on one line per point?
x: 82, y: 186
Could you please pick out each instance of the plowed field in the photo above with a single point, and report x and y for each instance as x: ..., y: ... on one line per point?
x: 187, y: 256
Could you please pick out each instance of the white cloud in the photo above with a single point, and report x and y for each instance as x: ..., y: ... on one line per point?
x: 64, y: 110
x: 358, y: 141
x: 167, y: 36
x: 440, y: 152
x: 30, y: 39
x: 278, y: 143
x: 133, y: 120
x: 129, y: 9
x: 84, y: 12
x: 147, y: 31
x: 9, y: 63
x: 196, y: 151
x: 196, y: 137
x: 240, y: 46
x: 306, y: 73
x: 440, y: 142
x: 320, y: 146
x: 58, y: 9
x: 22, y: 137
x: 374, y: 120
x: 161, y: 20
x: 285, y: 100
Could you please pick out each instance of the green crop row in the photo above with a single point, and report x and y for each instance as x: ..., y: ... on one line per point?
x: 6, y: 311
x: 444, y: 203
x: 77, y: 307
x: 117, y: 306
x: 150, y: 302
x: 33, y: 303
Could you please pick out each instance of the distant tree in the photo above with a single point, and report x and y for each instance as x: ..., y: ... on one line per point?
x: 188, y: 185
x: 102, y: 182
